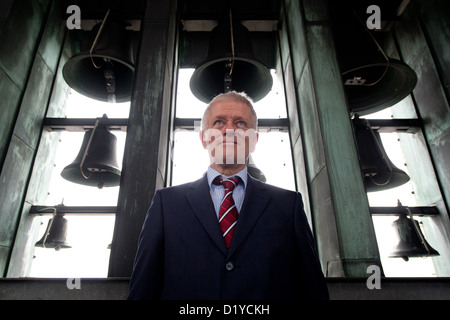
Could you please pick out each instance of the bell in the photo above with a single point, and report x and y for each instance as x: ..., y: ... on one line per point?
x: 105, y: 69
x: 96, y: 163
x: 254, y: 171
x: 55, y: 235
x: 378, y: 170
x: 411, y: 242
x: 230, y: 66
x: 372, y: 81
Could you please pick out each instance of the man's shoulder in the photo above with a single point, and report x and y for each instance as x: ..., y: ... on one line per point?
x: 184, y: 186
x: 271, y: 187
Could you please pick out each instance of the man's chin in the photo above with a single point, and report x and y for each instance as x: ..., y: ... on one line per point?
x: 230, y: 161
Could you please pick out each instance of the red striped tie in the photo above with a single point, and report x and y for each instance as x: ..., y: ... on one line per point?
x: 228, y: 213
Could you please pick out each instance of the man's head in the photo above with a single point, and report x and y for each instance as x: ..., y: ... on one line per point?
x: 229, y: 130
x: 237, y: 97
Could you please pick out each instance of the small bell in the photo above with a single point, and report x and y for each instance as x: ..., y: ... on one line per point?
x: 411, y: 241
x: 55, y: 236
x: 96, y: 163
x: 378, y: 170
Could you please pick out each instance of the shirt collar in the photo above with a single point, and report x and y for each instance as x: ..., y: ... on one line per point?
x: 212, y: 174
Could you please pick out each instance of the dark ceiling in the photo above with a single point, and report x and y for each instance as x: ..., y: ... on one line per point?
x: 188, y: 9
x: 96, y: 9
x: 202, y: 15
x: 241, y: 9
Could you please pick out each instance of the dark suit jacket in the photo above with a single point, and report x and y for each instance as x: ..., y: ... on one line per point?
x: 182, y: 255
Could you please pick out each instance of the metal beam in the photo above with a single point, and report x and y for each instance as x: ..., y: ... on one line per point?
x: 251, y: 25
x: 391, y: 125
x: 84, y: 124
x: 281, y: 124
x: 395, y: 211
x: 120, y: 124
x: 91, y: 210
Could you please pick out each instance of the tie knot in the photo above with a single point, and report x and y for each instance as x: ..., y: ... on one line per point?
x: 228, y: 183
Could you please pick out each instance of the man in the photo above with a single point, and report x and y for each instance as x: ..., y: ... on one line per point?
x: 227, y: 235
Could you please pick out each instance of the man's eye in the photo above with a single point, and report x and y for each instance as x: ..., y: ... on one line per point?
x: 218, y: 122
x: 242, y: 123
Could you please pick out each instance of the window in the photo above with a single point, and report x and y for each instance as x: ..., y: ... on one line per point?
x: 273, y: 152
x: 386, y: 237
x: 88, y: 234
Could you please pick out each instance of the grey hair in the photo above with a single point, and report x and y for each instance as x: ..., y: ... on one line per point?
x: 233, y: 95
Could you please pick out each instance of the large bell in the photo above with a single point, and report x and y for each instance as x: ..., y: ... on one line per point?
x: 372, y: 80
x: 99, y: 168
x: 378, y: 170
x: 107, y: 73
x: 55, y: 236
x: 223, y: 72
x: 411, y: 242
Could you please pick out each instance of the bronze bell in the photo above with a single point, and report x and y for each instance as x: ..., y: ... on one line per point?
x: 411, y: 241
x: 96, y: 163
x: 378, y: 170
x: 104, y: 70
x: 55, y: 236
x: 372, y: 80
x: 230, y: 65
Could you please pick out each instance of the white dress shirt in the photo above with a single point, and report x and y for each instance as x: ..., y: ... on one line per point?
x: 218, y: 191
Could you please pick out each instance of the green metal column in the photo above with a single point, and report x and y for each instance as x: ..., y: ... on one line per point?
x: 339, y: 207
x: 423, y: 43
x: 147, y: 143
x: 31, y: 38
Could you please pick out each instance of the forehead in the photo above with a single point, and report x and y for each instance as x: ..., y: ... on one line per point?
x: 231, y: 108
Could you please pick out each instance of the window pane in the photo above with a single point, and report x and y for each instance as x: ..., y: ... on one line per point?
x: 273, y: 152
x: 188, y: 106
x: 397, y: 267
x: 89, y: 236
x: 385, y: 232
x: 79, y: 106
x: 190, y: 160
x: 272, y: 156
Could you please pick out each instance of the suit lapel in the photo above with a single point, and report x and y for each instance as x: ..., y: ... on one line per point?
x: 256, y: 200
x: 199, y: 198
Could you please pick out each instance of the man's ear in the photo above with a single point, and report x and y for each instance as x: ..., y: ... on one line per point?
x: 201, y: 135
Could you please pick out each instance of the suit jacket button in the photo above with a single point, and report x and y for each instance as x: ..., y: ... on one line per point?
x: 229, y: 266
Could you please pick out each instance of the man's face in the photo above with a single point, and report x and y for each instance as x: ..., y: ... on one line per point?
x: 229, y: 132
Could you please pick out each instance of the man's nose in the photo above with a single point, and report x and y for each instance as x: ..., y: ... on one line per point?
x: 229, y: 126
